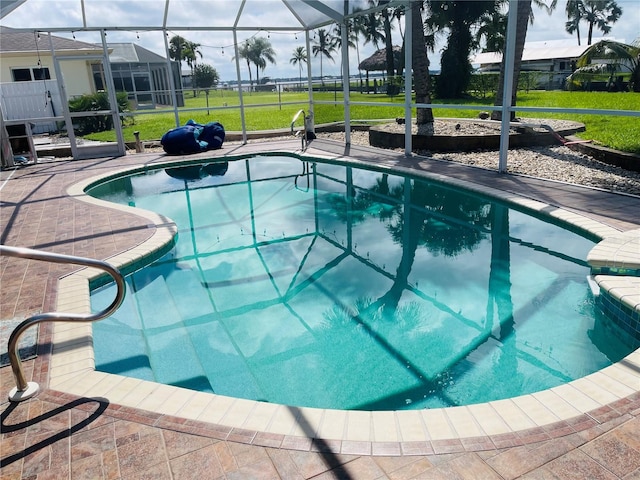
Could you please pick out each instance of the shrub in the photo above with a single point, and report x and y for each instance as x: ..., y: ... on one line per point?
x: 96, y: 102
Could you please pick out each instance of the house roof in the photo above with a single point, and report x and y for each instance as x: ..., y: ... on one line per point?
x: 544, y: 50
x: 22, y: 42
x: 132, y: 53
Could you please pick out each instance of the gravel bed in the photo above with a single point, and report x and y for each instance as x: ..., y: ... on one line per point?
x: 554, y: 162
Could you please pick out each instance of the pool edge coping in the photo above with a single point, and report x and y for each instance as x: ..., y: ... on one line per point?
x: 72, y: 369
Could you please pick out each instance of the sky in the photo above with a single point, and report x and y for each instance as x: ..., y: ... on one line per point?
x: 217, y: 47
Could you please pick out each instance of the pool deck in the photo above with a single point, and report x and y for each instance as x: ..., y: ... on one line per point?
x: 85, y: 424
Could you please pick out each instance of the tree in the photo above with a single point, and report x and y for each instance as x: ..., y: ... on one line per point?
x: 459, y: 18
x: 182, y: 50
x: 371, y: 29
x: 351, y: 38
x: 621, y: 60
x: 420, y: 60
x: 493, y: 26
x: 261, y: 51
x: 325, y: 46
x: 358, y: 27
x: 177, y: 45
x: 244, y: 52
x: 205, y: 77
x: 599, y: 14
x: 298, y: 58
x: 190, y: 54
x: 398, y: 14
x: 575, y: 13
x: 388, y: 41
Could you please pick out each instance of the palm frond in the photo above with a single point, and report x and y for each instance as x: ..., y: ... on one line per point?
x: 607, y: 49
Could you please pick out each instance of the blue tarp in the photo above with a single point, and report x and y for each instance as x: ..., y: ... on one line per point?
x: 192, y: 138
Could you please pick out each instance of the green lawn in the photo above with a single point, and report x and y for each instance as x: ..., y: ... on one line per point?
x: 618, y: 132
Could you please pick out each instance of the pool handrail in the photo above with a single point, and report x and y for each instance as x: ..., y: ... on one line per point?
x: 304, y: 128
x: 23, y: 389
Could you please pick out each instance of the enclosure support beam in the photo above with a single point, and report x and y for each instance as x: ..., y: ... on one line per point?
x: 172, y: 82
x: 509, y: 59
x: 64, y: 99
x: 239, y: 77
x: 311, y: 114
x: 111, y: 92
x: 345, y: 76
x: 408, y: 75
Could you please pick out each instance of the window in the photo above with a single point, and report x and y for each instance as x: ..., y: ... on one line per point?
x: 29, y: 74
x: 21, y: 74
x: 41, y: 74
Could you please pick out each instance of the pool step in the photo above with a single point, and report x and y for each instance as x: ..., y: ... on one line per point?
x: 119, y: 344
x: 223, y: 363
x: 191, y: 298
x: 172, y: 354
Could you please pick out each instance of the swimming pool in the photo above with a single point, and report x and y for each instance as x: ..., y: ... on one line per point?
x: 318, y: 284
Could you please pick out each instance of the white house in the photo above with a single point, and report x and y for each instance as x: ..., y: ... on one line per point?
x: 27, y: 57
x: 554, y: 60
x: 29, y: 87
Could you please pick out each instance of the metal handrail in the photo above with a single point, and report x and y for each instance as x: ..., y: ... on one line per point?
x: 24, y: 389
x: 304, y: 127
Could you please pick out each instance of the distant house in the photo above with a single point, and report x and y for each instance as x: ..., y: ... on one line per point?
x: 553, y: 60
x: 27, y: 57
x: 141, y: 73
x: 29, y: 88
x: 28, y: 83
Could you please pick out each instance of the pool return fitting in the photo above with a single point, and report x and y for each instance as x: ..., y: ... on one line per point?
x: 23, y: 389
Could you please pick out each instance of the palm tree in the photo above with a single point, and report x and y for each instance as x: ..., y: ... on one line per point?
x: 622, y: 59
x: 298, y: 58
x: 575, y: 13
x: 190, y: 54
x: 351, y: 37
x: 325, y: 46
x: 372, y: 26
x: 261, y: 51
x: 177, y: 45
x: 181, y: 49
x: 493, y: 26
x: 244, y: 51
x: 459, y: 19
x: 358, y: 26
x: 599, y: 14
x: 398, y: 13
x: 388, y: 41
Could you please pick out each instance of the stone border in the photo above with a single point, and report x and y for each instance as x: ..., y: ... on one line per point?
x: 628, y: 161
x: 522, y: 134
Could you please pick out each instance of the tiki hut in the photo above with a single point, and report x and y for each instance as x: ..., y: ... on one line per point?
x: 378, y: 61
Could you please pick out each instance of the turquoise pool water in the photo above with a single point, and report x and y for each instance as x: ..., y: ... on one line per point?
x: 324, y: 285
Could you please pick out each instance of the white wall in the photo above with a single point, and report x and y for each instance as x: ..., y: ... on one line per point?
x: 76, y: 73
x: 30, y: 100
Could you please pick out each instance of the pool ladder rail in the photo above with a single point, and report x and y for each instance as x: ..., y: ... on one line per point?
x: 23, y: 389
x: 307, y: 129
